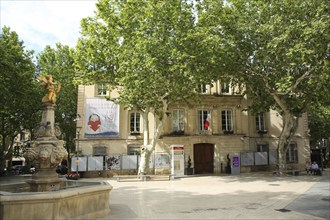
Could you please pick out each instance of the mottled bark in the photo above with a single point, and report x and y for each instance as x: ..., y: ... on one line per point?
x: 148, y: 148
x: 290, y: 124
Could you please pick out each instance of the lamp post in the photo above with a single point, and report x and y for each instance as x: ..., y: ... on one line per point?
x: 77, y: 159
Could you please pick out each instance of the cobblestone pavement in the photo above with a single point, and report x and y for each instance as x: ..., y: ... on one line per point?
x: 246, y: 196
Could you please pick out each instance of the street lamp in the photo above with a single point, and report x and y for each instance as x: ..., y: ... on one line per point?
x: 77, y: 159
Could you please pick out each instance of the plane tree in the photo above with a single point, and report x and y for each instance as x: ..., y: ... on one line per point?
x: 143, y: 49
x: 279, y: 49
x: 19, y: 109
x: 59, y: 62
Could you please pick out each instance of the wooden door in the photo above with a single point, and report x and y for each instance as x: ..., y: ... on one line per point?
x: 203, y: 158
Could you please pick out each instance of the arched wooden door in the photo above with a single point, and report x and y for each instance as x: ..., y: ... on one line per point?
x: 203, y: 158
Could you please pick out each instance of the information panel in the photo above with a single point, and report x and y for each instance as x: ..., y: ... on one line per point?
x: 261, y: 158
x: 177, y: 168
x: 235, y: 164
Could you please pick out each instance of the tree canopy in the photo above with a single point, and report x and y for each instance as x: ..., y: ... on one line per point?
x: 59, y: 62
x: 19, y: 93
x: 143, y: 48
x: 278, y: 49
x: 156, y: 52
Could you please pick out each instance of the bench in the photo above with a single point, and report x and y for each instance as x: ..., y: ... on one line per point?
x: 291, y: 172
x: 143, y: 177
x: 163, y: 177
x: 133, y: 177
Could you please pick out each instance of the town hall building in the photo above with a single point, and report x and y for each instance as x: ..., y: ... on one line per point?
x: 209, y: 132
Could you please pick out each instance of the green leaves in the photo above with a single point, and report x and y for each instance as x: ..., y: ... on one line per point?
x: 59, y: 62
x: 278, y: 47
x: 142, y: 46
x: 18, y: 96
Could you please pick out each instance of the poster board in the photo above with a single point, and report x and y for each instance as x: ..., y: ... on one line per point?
x: 129, y: 162
x: 261, y: 158
x: 162, y: 160
x: 247, y: 159
x: 81, y: 162
x: 95, y: 163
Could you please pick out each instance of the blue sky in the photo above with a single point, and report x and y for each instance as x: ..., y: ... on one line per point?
x: 45, y: 22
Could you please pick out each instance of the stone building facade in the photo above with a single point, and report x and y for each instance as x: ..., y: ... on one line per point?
x: 210, y: 131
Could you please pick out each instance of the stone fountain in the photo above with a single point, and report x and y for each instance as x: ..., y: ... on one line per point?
x: 46, y: 153
x: 45, y: 195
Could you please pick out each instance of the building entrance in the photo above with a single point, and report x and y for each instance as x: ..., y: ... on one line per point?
x: 203, y: 158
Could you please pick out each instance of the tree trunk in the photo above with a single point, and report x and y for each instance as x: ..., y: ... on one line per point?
x: 290, y: 124
x: 147, y: 149
x: 145, y: 153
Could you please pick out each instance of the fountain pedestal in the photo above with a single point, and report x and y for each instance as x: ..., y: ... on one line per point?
x: 42, y: 181
x: 46, y: 153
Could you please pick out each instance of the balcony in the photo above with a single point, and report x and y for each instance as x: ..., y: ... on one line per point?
x: 228, y: 132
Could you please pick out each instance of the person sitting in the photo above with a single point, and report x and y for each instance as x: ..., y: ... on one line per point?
x: 315, y: 168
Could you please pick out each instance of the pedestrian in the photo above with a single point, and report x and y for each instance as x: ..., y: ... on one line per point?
x: 314, y: 168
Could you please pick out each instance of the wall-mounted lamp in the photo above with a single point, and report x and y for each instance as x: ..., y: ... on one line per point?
x: 243, y: 137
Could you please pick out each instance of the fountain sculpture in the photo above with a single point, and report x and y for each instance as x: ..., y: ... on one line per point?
x: 46, y: 151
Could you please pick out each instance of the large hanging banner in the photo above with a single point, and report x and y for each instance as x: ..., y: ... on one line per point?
x: 102, y: 118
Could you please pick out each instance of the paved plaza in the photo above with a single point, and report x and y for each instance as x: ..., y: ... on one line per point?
x: 245, y: 196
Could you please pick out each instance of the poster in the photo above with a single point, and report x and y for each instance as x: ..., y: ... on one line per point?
x: 162, y: 161
x: 102, y: 118
x: 235, y: 161
x: 113, y: 162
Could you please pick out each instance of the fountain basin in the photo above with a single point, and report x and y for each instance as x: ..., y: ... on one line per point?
x: 76, y: 200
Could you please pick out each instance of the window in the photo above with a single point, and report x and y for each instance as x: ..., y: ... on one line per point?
x: 262, y: 148
x: 227, y: 120
x: 204, y: 117
x: 292, y: 154
x: 260, y: 122
x: 133, y: 150
x: 178, y: 120
x: 225, y: 88
x: 134, y: 122
x: 102, y: 89
x: 100, y: 151
x: 203, y: 88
